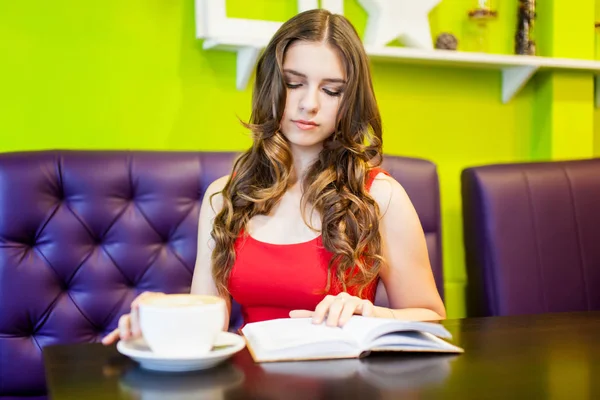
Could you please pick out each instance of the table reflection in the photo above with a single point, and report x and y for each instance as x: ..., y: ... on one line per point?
x: 373, y: 377
x: 384, y: 371
x: 241, y: 377
x: 213, y: 383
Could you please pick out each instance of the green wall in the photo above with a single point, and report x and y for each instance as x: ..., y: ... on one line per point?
x: 131, y: 75
x: 597, y: 57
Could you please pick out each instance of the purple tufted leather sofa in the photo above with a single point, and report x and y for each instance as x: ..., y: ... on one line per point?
x: 532, y: 234
x: 82, y: 233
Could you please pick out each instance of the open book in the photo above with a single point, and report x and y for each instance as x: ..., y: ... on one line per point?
x: 290, y: 339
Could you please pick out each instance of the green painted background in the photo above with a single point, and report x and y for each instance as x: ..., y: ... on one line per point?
x: 130, y: 75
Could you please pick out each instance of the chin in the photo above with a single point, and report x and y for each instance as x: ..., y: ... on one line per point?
x: 305, y: 139
x: 306, y: 143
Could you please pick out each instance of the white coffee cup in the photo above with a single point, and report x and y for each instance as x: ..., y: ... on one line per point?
x: 181, y: 325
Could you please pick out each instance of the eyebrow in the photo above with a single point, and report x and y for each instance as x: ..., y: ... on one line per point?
x: 301, y: 75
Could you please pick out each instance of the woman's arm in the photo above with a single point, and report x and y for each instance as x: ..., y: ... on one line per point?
x: 202, y: 281
x: 406, y: 274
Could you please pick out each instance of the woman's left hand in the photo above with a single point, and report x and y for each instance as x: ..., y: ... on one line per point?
x: 337, y: 309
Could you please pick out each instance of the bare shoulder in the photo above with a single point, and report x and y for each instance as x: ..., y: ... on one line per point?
x: 389, y: 193
x: 213, y: 196
x: 217, y: 185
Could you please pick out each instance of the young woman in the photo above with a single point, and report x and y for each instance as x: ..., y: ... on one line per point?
x: 307, y: 224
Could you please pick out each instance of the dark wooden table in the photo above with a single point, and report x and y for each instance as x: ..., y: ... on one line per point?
x: 553, y: 356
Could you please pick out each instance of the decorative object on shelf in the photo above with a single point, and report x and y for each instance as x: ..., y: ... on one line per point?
x: 483, y: 11
x: 524, y: 43
x: 480, y: 17
x: 405, y: 20
x: 446, y: 41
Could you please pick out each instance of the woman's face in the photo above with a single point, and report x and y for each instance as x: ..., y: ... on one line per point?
x: 315, y: 80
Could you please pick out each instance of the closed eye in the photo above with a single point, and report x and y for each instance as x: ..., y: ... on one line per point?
x: 333, y: 94
x: 326, y: 91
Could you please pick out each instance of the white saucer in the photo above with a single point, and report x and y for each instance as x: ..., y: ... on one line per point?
x: 227, y: 345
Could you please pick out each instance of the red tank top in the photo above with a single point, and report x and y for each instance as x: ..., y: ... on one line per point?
x: 270, y: 280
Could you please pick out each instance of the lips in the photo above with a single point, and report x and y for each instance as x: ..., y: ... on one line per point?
x: 305, y: 125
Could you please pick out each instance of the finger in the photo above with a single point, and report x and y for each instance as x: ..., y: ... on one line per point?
x: 111, y: 337
x: 351, y: 307
x: 125, y: 327
x: 322, y: 309
x: 335, y: 310
x: 134, y: 322
x: 367, y: 308
x: 135, y: 328
x: 301, y: 314
x: 136, y: 302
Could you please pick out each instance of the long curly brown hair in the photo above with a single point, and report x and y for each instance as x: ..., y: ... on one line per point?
x: 334, y: 185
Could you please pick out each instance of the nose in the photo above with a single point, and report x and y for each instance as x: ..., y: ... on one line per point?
x: 309, y: 103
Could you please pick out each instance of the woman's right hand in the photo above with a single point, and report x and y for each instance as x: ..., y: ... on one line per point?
x: 129, y: 324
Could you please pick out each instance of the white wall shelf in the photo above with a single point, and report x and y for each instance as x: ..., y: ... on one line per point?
x: 516, y: 70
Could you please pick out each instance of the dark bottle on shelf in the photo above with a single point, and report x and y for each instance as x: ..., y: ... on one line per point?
x: 524, y: 43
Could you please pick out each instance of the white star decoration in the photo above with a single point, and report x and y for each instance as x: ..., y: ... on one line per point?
x: 406, y: 20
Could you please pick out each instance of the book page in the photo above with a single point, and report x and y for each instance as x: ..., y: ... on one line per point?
x: 269, y: 338
x: 366, y: 329
x: 411, y: 340
x: 311, y: 351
